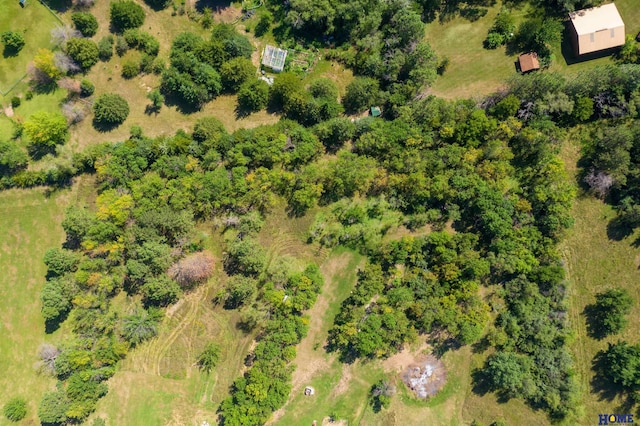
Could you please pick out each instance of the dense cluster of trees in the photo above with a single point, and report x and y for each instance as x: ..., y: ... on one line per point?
x: 140, y: 240
x: 383, y: 40
x: 265, y: 387
x: 485, y: 178
x: 194, y: 76
x: 414, y: 285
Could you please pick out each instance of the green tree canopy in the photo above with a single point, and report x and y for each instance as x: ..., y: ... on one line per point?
x: 46, y: 129
x: 85, y: 22
x: 110, y: 109
x: 126, y: 14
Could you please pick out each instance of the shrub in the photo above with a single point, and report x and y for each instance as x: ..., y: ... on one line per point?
x: 193, y: 269
x: 46, y: 129
x: 15, y: 409
x: 13, y: 42
x: 362, y: 93
x: 208, y: 128
x: 234, y: 44
x: 245, y: 257
x: 240, y: 290
x: 161, y: 291
x: 141, y: 325
x: 493, y: 40
x: 126, y: 14
x: 264, y: 24
x: 253, y: 95
x: 158, y: 66
x: 12, y: 158
x: 86, y: 88
x: 15, y: 102
x: 507, y: 107
x: 209, y: 357
x: 121, y: 46
x: 53, y: 407
x: 608, y: 315
x: 156, y: 99
x: 83, y: 51
x: 235, y: 72
x: 324, y: 88
x: 207, y: 19
x: 105, y: 48
x: 85, y: 22
x: 142, y: 41
x: 146, y: 63
x: 130, y: 69
x: 286, y: 87
x: 111, y: 109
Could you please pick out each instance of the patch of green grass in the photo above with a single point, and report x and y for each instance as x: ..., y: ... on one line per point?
x: 595, y: 262
x: 29, y: 225
x: 473, y: 70
x: 35, y: 22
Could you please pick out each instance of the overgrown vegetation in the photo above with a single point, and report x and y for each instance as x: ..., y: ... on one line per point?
x: 481, y: 183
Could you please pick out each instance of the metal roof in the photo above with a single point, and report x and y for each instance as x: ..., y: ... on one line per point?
x: 588, y: 21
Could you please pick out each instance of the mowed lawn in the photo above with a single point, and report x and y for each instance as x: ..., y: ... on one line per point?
x: 473, y: 70
x: 29, y: 225
x: 595, y: 262
x: 35, y: 22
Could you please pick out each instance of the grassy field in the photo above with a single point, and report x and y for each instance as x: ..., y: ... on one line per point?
x: 342, y: 389
x: 35, y: 22
x: 474, y: 71
x: 595, y: 262
x: 29, y: 225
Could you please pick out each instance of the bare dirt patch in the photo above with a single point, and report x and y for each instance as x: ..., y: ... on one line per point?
x: 404, y: 358
x: 425, y: 377
x: 327, y: 421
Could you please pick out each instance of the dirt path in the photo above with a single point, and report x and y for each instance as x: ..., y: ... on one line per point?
x: 311, y: 357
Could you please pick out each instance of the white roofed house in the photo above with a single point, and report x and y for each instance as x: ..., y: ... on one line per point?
x: 596, y: 29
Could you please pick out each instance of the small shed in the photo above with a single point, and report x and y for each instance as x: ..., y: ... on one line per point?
x: 274, y: 57
x: 597, y: 28
x: 529, y: 62
x: 375, y: 111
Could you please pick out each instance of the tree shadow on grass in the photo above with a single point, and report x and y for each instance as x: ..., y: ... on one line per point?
x: 60, y: 6
x: 617, y: 230
x: 214, y: 5
x: 43, y: 88
x: 600, y: 383
x: 185, y: 108
x: 51, y: 325
x: 481, y: 384
x: 593, y: 315
x: 103, y: 127
x: 9, y: 52
x: 37, y: 152
x: 242, y: 112
x: 481, y: 346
